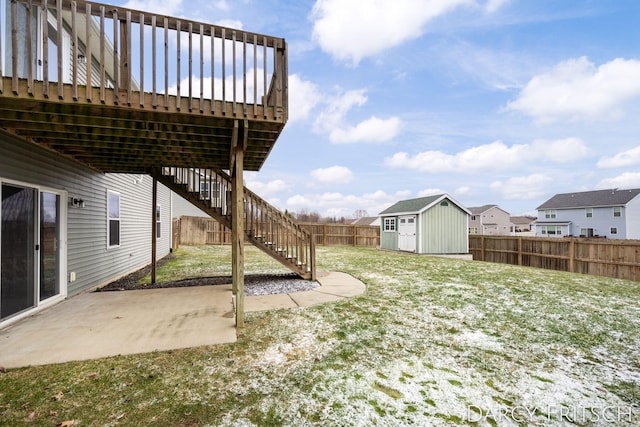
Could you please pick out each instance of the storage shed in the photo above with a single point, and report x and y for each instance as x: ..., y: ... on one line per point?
x: 426, y: 225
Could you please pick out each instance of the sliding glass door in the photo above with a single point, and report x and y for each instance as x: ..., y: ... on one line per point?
x: 30, y: 236
x: 17, y: 233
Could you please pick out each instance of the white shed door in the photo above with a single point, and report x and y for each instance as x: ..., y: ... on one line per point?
x: 407, y: 233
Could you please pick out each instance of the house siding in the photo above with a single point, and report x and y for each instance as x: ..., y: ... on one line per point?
x: 87, y: 253
x: 632, y: 216
x: 182, y: 207
x: 491, y: 222
x: 444, y: 230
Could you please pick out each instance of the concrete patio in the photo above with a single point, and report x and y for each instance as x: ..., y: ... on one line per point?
x: 102, y: 324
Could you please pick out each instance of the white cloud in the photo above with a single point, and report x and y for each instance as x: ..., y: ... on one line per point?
x: 493, y: 5
x: 373, y: 129
x: 266, y: 189
x: 430, y: 192
x: 564, y: 150
x: 578, y: 90
x: 626, y: 158
x: 489, y: 157
x: 523, y: 187
x: 337, y: 107
x: 462, y: 191
x: 626, y: 180
x: 332, y: 120
x: 354, y: 29
x: 304, y: 96
x: 332, y: 175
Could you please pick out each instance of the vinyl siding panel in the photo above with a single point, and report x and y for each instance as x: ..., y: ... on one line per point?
x: 632, y: 218
x: 87, y: 253
x: 444, y: 230
x: 182, y: 207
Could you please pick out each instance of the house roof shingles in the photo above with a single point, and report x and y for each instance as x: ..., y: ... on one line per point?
x: 411, y: 205
x: 611, y: 197
x: 480, y: 209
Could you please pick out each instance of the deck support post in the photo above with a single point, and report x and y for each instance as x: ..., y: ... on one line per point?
x: 238, y: 147
x: 154, y: 203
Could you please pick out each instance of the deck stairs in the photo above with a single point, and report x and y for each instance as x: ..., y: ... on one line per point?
x: 265, y: 227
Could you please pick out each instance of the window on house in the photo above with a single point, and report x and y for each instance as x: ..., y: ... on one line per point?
x: 617, y: 211
x: 588, y: 212
x: 473, y: 217
x: 158, y: 223
x: 614, y: 230
x: 550, y: 213
x: 551, y: 230
x: 473, y: 230
x: 113, y: 219
x: 389, y: 224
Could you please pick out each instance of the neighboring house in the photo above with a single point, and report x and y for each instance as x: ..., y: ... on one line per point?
x: 489, y: 220
x: 523, y: 224
x: 613, y: 214
x: 88, y: 162
x: 427, y: 225
x: 368, y: 220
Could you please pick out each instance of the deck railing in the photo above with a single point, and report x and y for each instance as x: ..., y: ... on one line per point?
x: 89, y: 52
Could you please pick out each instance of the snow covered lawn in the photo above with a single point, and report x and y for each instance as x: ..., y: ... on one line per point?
x: 433, y: 341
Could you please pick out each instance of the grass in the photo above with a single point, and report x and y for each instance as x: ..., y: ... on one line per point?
x: 432, y: 342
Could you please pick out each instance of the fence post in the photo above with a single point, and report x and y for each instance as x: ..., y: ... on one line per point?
x: 520, y: 250
x: 482, y: 248
x: 572, y: 254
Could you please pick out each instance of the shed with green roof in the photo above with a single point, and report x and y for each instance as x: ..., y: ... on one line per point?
x: 426, y: 225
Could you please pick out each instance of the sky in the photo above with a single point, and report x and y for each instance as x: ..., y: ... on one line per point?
x: 503, y: 102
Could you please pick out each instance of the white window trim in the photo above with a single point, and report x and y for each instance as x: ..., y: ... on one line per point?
x: 119, y: 219
x: 619, y: 211
x: 392, y: 228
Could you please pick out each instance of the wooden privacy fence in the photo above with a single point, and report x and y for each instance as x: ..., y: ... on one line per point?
x: 189, y: 230
x: 611, y: 258
x: 344, y: 234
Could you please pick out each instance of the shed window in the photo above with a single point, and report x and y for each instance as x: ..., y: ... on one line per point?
x: 113, y: 219
x: 389, y: 224
x: 444, y: 203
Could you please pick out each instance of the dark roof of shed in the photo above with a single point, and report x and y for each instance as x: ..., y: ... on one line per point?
x: 411, y: 205
x: 611, y: 197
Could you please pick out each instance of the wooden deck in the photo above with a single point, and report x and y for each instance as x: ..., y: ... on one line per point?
x: 139, y: 90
